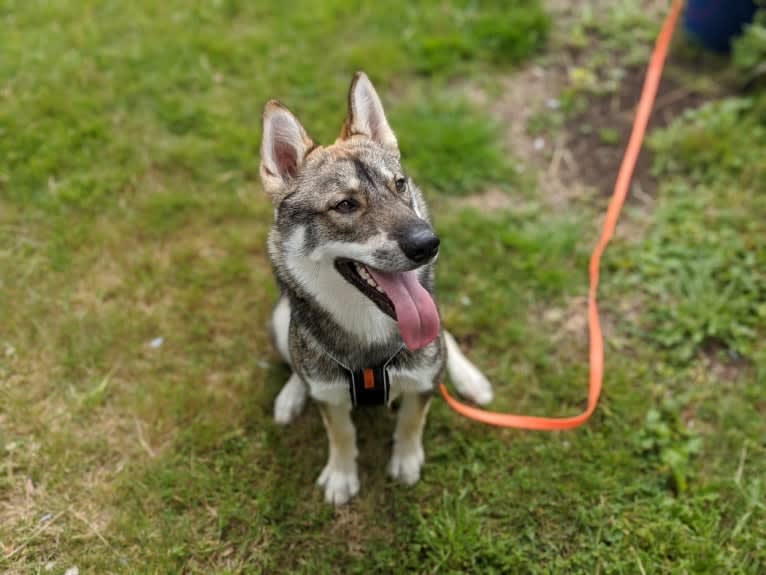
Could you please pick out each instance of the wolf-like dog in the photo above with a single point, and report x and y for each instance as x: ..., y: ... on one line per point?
x: 353, y: 251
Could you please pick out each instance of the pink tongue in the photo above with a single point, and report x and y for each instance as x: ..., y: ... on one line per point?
x: 415, y: 308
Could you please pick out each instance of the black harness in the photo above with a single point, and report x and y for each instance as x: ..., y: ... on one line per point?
x: 369, y: 386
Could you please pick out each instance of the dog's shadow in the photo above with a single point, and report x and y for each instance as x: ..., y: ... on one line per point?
x: 298, y: 451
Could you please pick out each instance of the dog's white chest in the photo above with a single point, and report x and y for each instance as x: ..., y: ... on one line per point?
x: 338, y: 392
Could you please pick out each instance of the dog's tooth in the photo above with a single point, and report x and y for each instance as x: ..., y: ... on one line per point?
x: 380, y: 289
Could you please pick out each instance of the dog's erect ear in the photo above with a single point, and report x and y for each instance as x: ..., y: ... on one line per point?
x: 284, y: 145
x: 366, y: 115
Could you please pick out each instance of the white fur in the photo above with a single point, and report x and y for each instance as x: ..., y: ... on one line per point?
x: 406, y: 461
x: 348, y: 306
x: 290, y: 401
x: 468, y: 380
x: 339, y: 477
x: 280, y: 321
x: 339, y: 485
x: 332, y: 393
x: 408, y: 455
x: 412, y: 380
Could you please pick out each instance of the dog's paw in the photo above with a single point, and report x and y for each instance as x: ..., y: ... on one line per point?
x: 339, y: 485
x: 290, y: 401
x: 406, y: 462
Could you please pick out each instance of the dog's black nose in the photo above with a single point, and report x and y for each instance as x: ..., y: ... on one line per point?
x: 419, y: 242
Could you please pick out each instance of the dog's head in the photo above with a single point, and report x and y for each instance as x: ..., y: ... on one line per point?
x: 349, y: 209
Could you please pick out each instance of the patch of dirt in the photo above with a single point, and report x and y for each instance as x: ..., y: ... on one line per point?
x: 724, y: 365
x: 585, y: 154
x: 596, y: 160
x: 350, y: 526
x: 522, y: 95
x: 568, y: 323
x: 99, y: 285
x: 519, y: 99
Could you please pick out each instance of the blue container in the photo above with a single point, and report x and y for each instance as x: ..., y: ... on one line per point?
x: 715, y: 23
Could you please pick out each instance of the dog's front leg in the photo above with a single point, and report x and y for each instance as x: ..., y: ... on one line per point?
x: 408, y: 455
x: 339, y: 477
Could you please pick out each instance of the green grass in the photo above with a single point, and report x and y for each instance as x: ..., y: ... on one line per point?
x: 701, y: 266
x: 750, y: 50
x: 466, y: 143
x: 130, y: 210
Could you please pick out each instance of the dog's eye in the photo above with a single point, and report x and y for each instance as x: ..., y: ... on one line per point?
x: 346, y: 206
x: 401, y: 184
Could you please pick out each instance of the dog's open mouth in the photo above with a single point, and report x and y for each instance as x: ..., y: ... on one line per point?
x: 358, y: 276
x: 401, y: 296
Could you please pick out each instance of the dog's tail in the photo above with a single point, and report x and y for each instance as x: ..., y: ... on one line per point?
x: 466, y: 377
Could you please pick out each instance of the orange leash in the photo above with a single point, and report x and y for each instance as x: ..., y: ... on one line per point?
x: 624, y: 177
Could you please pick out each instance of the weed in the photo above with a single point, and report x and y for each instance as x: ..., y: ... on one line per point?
x: 749, y: 50
x: 666, y: 438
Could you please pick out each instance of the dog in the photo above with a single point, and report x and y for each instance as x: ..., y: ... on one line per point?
x: 353, y: 251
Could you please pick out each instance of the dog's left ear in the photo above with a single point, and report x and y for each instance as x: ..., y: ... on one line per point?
x: 284, y: 145
x: 365, y: 114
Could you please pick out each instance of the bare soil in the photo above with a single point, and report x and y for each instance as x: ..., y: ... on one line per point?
x: 598, y: 161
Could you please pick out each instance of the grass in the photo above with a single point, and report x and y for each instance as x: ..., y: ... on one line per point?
x: 465, y: 141
x: 130, y: 211
x: 700, y: 264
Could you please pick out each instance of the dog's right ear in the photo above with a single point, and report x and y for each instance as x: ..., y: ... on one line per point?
x: 284, y: 145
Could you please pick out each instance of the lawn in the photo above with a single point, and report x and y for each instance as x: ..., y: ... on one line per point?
x: 136, y: 372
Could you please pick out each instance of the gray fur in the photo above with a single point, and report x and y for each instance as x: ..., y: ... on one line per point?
x: 316, y: 334
x: 332, y: 324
